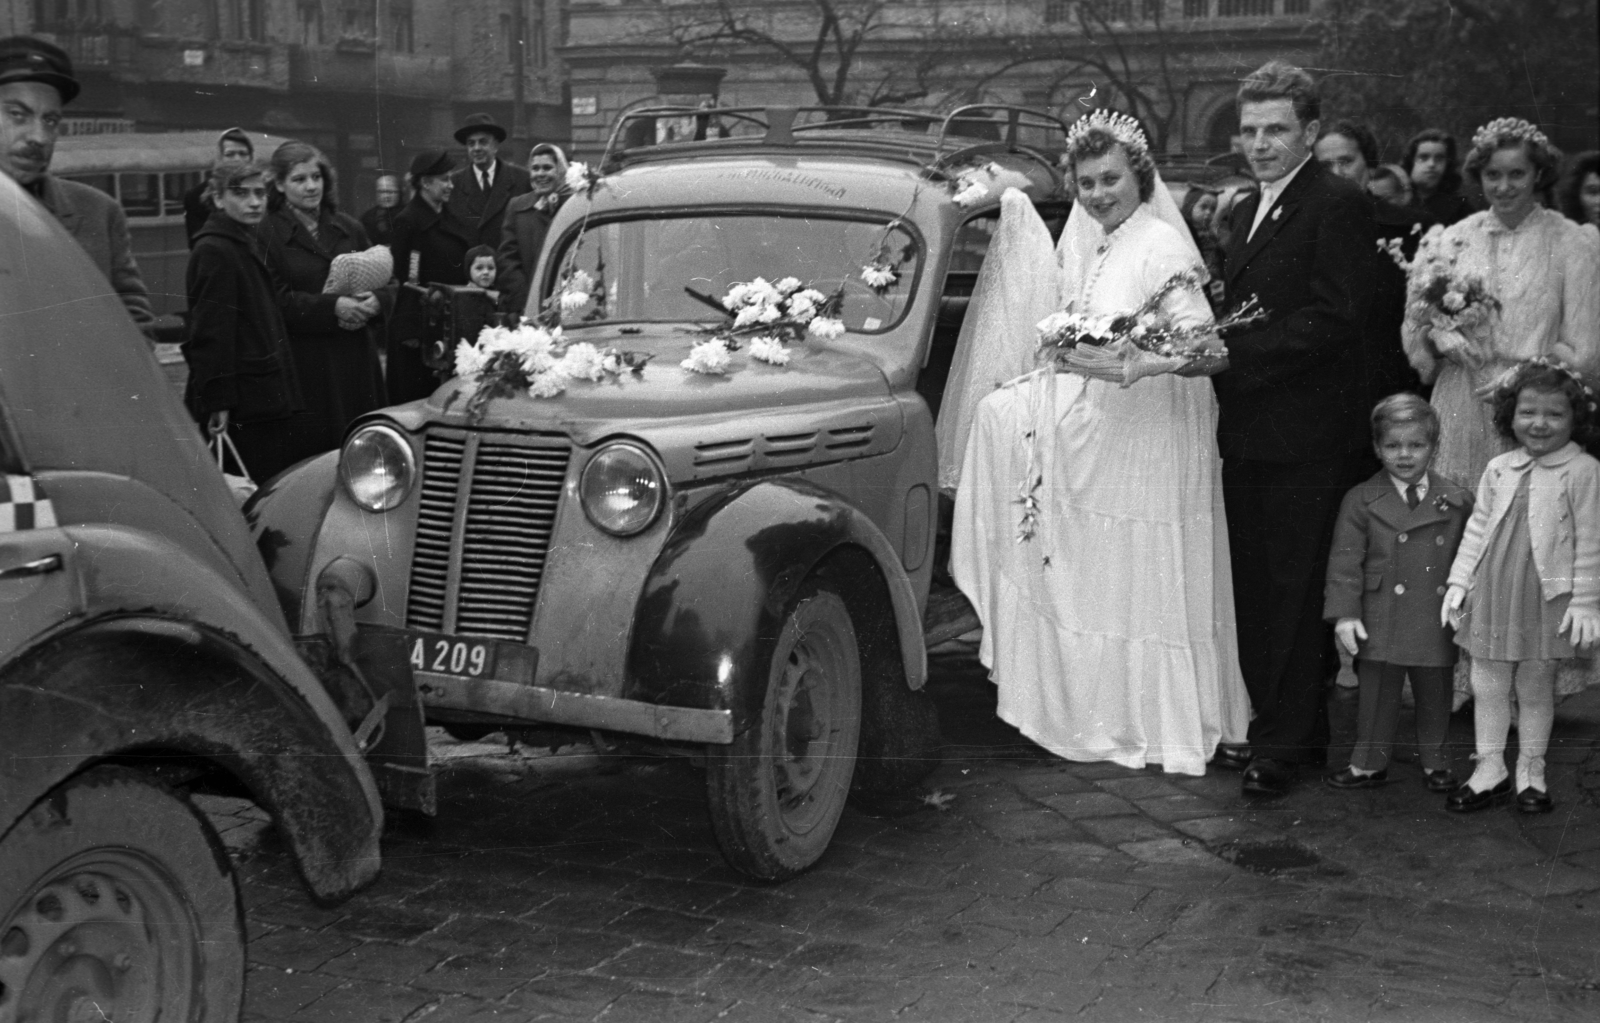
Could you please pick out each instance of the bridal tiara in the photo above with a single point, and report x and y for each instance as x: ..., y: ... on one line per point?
x: 1508, y: 127
x: 1121, y: 127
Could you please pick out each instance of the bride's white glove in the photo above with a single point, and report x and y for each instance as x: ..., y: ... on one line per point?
x: 1140, y: 364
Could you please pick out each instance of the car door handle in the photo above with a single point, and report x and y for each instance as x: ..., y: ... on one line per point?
x: 42, y: 566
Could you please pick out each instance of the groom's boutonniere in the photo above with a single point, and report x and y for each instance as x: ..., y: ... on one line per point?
x: 1277, y: 212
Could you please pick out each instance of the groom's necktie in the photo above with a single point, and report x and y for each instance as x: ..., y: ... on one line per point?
x: 1411, y: 495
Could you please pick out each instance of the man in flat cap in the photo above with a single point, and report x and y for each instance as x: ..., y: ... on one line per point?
x: 486, y: 183
x: 36, y: 81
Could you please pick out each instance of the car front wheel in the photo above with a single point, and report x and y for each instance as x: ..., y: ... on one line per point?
x: 777, y: 792
x: 117, y: 901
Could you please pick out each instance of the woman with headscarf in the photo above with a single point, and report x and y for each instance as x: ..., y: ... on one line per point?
x: 1199, y: 212
x: 528, y: 220
x: 242, y: 379
x: 331, y: 336
x: 430, y: 247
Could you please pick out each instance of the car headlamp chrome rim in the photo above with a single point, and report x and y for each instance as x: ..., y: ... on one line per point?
x: 622, y: 489
x: 378, y: 467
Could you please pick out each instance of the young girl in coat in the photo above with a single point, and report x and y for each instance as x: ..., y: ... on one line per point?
x: 1526, y: 582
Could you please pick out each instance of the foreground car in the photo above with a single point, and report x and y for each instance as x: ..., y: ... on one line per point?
x: 732, y: 564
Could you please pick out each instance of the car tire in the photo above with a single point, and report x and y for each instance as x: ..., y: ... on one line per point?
x: 118, y: 901
x: 776, y: 794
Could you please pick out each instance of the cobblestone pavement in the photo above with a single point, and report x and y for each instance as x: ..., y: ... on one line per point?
x: 551, y: 889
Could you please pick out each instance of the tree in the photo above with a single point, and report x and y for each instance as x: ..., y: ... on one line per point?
x: 1465, y: 62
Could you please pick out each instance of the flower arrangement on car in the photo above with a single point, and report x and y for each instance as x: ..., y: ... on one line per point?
x: 768, y: 316
x: 537, y: 359
x: 1454, y: 303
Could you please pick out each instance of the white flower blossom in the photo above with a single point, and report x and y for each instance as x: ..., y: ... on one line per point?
x: 971, y: 193
x: 547, y: 384
x: 611, y: 363
x: 877, y: 276
x: 770, y: 349
x: 524, y: 341
x: 710, y: 357
x: 735, y: 297
x: 583, y: 362
x: 1454, y: 301
x: 769, y: 313
x: 826, y: 328
x: 748, y: 315
x: 788, y: 285
x: 577, y: 175
x: 470, y: 361
x: 762, y: 293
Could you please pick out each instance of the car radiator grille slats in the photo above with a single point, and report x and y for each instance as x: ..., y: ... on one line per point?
x: 510, y: 511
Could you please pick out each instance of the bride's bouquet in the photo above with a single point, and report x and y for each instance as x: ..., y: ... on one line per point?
x: 1454, y: 304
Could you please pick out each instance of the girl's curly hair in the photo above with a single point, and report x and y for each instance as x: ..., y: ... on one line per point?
x: 1547, y: 378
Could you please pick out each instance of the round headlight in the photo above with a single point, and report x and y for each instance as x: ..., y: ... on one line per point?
x: 377, y: 467
x: 621, y: 490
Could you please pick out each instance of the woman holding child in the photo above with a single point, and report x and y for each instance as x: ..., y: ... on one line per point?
x: 1110, y: 631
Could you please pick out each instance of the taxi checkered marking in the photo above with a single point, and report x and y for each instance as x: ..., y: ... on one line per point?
x: 23, y: 506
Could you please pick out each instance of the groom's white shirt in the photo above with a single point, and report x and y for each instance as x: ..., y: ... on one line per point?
x: 1270, y: 193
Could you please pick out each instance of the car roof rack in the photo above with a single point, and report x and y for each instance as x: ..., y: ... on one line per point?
x: 931, y: 141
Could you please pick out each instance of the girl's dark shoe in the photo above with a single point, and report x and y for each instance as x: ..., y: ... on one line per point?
x: 1532, y: 800
x: 1349, y: 779
x: 1441, y: 780
x: 1465, y: 800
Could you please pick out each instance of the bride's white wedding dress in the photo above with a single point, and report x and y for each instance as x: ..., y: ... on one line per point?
x: 1110, y: 634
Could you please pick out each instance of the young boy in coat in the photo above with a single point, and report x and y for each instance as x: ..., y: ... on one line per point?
x: 1396, y: 536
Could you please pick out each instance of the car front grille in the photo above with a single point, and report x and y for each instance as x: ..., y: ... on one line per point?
x: 487, y: 585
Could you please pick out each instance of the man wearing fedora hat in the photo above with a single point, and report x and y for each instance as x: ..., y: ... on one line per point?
x: 486, y: 183
x: 36, y: 81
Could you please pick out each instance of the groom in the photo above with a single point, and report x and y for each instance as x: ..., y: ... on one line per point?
x: 1293, y: 416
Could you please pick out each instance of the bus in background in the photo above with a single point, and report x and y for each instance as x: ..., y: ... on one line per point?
x: 148, y: 173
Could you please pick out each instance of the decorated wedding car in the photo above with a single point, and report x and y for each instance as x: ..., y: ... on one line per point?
x: 690, y: 503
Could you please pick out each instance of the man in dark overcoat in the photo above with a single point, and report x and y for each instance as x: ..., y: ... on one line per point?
x: 486, y: 183
x: 1292, y: 426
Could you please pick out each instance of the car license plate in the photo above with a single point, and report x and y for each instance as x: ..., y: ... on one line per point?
x: 451, y: 655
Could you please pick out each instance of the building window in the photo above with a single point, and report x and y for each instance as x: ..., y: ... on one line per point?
x: 358, y: 22
x: 1244, y: 8
x: 249, y: 20
x: 1196, y: 8
x: 1297, y: 6
x: 310, y: 12
x: 401, y: 32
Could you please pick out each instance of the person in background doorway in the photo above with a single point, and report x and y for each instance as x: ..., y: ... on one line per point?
x: 487, y: 183
x: 1432, y: 164
x: 1580, y: 189
x: 36, y: 81
x: 233, y: 146
x: 378, y: 222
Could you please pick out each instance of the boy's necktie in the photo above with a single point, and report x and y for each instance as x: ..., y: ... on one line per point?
x: 1411, y: 495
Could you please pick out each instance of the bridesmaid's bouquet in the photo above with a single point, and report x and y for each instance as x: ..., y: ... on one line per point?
x: 1454, y: 304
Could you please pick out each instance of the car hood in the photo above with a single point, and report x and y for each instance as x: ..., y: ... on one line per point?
x: 664, y: 389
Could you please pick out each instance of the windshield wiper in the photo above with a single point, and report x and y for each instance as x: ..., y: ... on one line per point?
x: 699, y: 296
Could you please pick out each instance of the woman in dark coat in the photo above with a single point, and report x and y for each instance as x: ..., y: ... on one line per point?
x: 331, y: 336
x: 528, y: 219
x: 430, y: 247
x: 241, y: 374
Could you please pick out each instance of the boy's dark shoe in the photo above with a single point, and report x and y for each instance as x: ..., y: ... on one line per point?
x: 1349, y: 779
x: 1465, y: 800
x: 1232, y: 756
x: 1440, y: 780
x: 1532, y: 800
x: 1268, y: 777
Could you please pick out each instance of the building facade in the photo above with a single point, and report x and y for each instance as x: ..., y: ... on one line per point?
x: 367, y: 81
x: 1184, y: 57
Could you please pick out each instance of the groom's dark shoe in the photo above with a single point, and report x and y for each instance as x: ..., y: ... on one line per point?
x: 1268, y: 777
x: 1349, y: 779
x: 1232, y: 756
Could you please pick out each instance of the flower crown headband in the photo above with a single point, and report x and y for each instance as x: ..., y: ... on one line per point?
x: 1509, y: 378
x: 1121, y: 127
x: 1508, y: 127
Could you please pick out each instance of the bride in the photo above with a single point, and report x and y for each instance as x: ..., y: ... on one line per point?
x: 1110, y: 631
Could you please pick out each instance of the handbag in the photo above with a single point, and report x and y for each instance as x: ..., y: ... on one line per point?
x: 241, y: 485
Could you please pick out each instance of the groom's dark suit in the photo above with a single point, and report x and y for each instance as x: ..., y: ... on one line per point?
x: 1293, y: 434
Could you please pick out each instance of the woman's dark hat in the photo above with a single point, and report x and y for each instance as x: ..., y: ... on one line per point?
x: 431, y: 163
x: 26, y: 59
x: 480, y: 122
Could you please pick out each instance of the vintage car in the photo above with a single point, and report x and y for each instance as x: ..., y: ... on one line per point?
x: 736, y: 565
x: 142, y: 652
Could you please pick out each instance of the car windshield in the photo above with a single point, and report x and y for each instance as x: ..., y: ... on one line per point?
x: 646, y: 265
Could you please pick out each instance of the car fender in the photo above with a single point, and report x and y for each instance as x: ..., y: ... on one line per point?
x: 285, y: 518
x: 213, y: 678
x: 713, y: 605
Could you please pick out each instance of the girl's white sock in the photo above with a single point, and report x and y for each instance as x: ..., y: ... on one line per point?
x: 1536, y: 696
x: 1491, y: 718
